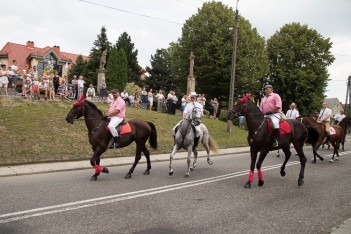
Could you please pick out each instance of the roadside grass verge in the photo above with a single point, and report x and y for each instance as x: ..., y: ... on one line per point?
x: 36, y: 131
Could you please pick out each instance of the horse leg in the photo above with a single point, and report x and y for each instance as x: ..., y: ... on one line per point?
x: 148, y: 162
x: 252, y: 168
x: 136, y: 160
x: 95, y: 162
x: 303, y: 160
x: 190, y: 150
x: 278, y: 153
x: 205, y: 144
x: 287, y: 153
x: 195, y: 159
x: 174, y: 151
x: 262, y: 156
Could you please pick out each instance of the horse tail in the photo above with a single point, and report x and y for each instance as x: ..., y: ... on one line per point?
x: 153, y: 136
x: 213, y: 145
x: 313, y: 136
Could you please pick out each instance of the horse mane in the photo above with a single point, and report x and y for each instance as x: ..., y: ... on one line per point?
x: 93, y: 106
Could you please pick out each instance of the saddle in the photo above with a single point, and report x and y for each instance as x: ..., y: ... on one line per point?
x: 284, y: 127
x: 122, y: 128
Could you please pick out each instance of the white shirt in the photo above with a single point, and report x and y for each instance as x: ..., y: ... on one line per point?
x: 160, y: 96
x: 90, y: 92
x: 14, y: 68
x: 81, y: 83
x: 292, y: 114
x: 124, y: 95
x: 339, y: 117
x: 324, y: 112
x: 190, y: 106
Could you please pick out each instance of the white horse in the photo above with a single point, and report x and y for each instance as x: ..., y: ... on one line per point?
x: 184, y: 138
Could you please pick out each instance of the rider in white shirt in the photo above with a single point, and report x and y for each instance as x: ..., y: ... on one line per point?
x: 293, y: 113
x: 188, y: 109
x: 339, y: 117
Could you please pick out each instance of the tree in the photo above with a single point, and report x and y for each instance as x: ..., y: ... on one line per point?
x: 209, y: 35
x: 160, y: 73
x: 117, y: 69
x: 299, y: 57
x: 100, y: 44
x: 78, y: 68
x: 124, y: 41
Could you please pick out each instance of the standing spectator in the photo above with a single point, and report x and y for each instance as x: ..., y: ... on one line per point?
x: 56, y: 81
x: 15, y: 75
x: 143, y: 98
x: 103, y: 92
x: 132, y: 99
x: 90, y: 93
x: 202, y: 100
x: 293, y: 113
x: 184, y: 102
x: 339, y: 117
x: 110, y: 98
x: 51, y: 90
x: 3, y: 79
x: 75, y: 85
x: 81, y: 83
x: 174, y: 103
x: 34, y: 73
x: 169, y: 102
x: 125, y: 97
x: 150, y: 98
x: 215, y: 105
x: 136, y: 100
x: 25, y: 71
x: 10, y: 74
x: 160, y: 98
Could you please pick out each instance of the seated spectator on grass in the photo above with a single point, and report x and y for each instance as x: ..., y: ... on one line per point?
x: 35, y: 87
x: 63, y: 91
x: 27, y: 89
x: 71, y: 92
x: 131, y: 99
x: 43, y: 87
x: 51, y: 90
x: 90, y: 93
x: 125, y: 97
x: 110, y: 98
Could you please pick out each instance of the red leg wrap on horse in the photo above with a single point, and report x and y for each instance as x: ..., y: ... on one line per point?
x: 251, y: 176
x: 260, y: 175
x: 98, y: 169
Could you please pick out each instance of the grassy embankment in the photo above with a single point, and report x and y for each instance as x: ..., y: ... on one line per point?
x: 36, y: 131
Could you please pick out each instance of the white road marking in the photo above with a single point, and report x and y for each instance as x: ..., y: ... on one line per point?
x: 25, y: 214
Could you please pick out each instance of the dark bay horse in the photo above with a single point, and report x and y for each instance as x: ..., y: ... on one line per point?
x: 344, y: 123
x: 260, y: 139
x: 100, y: 138
x: 317, y: 137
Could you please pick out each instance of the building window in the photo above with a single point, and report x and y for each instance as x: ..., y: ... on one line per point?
x: 49, y: 57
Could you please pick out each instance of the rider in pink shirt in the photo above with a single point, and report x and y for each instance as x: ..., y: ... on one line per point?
x: 116, y: 113
x: 271, y: 106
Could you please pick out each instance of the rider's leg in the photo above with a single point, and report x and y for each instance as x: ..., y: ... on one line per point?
x: 197, y: 137
x: 275, y: 120
x: 175, y: 129
x: 327, y: 130
x: 112, y: 127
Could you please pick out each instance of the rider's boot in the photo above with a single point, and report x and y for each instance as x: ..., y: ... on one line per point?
x: 276, y: 137
x: 196, y: 142
x: 117, y: 141
x: 328, y: 139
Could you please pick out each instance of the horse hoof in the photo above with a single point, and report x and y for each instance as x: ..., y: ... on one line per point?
x: 247, y: 185
x: 321, y: 158
x: 192, y: 168
x: 282, y: 173
x: 331, y: 161
x: 128, y: 176
x: 170, y: 173
x: 105, y: 170
x: 260, y: 183
x: 186, y: 175
x: 314, y: 161
x: 147, y: 172
x: 337, y: 159
x: 210, y: 162
x: 300, y: 182
x: 93, y: 178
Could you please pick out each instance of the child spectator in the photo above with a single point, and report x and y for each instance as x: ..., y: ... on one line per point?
x: 51, y: 90
x: 184, y: 102
x: 27, y: 89
x: 131, y: 99
x: 71, y: 92
x: 63, y: 91
x: 90, y: 93
x: 81, y: 83
x: 103, y: 92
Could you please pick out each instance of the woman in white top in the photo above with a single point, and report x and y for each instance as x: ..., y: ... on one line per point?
x: 150, y: 98
x: 90, y: 93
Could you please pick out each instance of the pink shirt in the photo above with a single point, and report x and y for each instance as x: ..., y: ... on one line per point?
x: 269, y: 102
x: 118, y: 104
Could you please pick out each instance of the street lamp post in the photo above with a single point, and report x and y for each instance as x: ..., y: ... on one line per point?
x: 232, y: 78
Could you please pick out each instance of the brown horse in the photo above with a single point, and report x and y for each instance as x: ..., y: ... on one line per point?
x: 344, y: 123
x: 317, y: 137
x: 100, y: 138
x: 260, y: 139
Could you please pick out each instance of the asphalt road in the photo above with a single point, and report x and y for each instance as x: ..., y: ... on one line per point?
x: 212, y: 200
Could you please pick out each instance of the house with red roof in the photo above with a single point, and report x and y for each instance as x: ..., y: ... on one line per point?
x: 30, y: 55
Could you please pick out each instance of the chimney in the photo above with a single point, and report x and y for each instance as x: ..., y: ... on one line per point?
x: 30, y: 44
x: 56, y: 49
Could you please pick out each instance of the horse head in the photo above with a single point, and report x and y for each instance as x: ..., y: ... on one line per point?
x: 239, y: 108
x: 196, y: 116
x: 76, y: 111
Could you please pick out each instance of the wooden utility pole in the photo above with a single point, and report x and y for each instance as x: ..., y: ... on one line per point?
x: 348, y: 97
x: 232, y: 78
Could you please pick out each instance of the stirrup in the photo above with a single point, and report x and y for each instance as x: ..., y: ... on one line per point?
x: 275, y: 143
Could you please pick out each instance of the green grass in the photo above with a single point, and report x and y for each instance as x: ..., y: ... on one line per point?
x: 36, y: 131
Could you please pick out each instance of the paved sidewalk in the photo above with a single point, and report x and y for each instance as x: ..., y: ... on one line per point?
x: 39, y: 168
